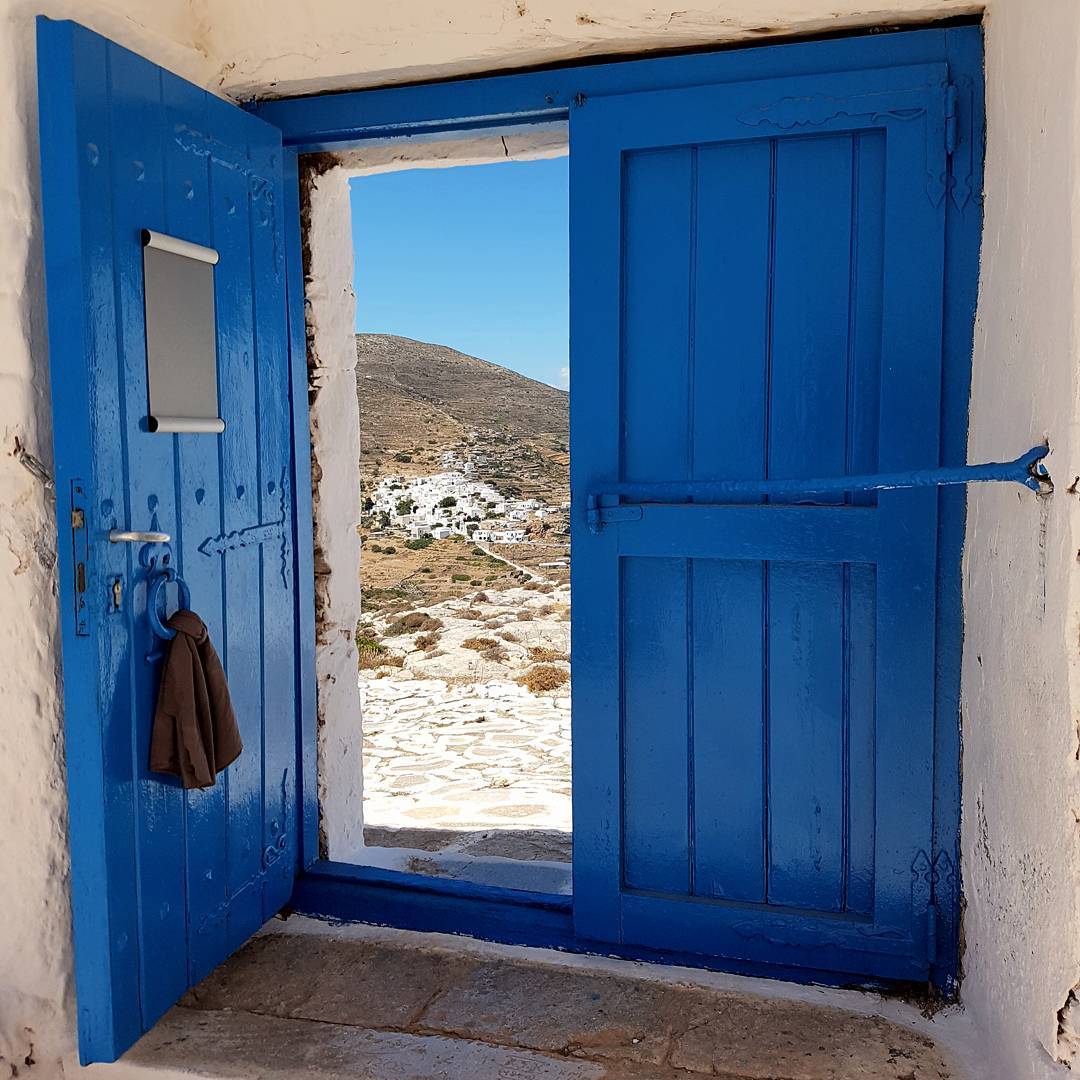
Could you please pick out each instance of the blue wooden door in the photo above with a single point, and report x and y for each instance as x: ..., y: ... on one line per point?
x: 757, y: 293
x: 166, y: 883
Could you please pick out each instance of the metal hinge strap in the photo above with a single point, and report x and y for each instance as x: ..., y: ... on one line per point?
x: 950, y: 118
x: 931, y: 930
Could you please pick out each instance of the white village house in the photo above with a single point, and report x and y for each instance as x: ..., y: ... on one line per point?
x: 825, y: 259
x: 450, y: 504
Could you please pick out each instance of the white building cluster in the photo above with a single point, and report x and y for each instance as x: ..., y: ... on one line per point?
x: 452, y: 503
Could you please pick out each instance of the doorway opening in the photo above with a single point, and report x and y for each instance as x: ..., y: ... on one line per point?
x: 461, y: 280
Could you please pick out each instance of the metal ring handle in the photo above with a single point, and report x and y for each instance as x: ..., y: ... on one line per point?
x: 130, y: 536
x: 153, y: 595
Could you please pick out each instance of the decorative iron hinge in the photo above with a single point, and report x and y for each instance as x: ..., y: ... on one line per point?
x: 950, y: 118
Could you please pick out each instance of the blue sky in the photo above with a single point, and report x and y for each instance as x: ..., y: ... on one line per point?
x: 474, y: 257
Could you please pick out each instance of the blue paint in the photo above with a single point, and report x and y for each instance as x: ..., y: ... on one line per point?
x: 846, y: 227
x: 355, y: 894
x: 733, y: 878
x: 166, y: 883
x: 964, y: 52
x: 154, y: 593
x: 335, y: 121
x: 338, y: 121
x: 1025, y: 470
x: 303, y: 559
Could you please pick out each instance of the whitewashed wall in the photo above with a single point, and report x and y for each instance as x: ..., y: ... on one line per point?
x: 36, y: 1000
x: 1020, y: 837
x: 1022, y: 798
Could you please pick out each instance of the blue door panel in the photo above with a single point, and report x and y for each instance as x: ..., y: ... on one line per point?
x: 166, y: 883
x: 656, y: 843
x: 733, y: 263
x: 805, y: 789
x: 729, y: 751
x: 757, y: 293
x: 200, y: 495
x: 146, y: 496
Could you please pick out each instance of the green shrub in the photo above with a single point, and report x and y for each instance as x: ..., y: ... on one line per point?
x: 419, y: 543
x: 459, y: 577
x: 373, y: 654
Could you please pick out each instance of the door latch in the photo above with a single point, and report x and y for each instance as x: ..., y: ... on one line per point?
x: 80, y: 556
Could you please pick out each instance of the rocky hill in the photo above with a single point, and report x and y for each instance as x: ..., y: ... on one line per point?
x: 418, y: 401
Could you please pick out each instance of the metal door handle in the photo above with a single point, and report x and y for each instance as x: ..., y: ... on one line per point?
x: 129, y: 536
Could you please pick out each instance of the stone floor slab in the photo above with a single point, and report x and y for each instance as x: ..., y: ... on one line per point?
x: 229, y: 1045
x: 314, y: 978
x: 512, y: 1014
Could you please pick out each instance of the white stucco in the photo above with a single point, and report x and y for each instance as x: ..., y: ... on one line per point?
x: 1021, y: 796
x: 1022, y: 800
x: 335, y: 429
x: 36, y: 1000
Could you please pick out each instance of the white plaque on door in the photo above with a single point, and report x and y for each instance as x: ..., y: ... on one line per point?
x: 181, y: 335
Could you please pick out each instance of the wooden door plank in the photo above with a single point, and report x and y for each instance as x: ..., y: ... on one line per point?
x: 275, y: 504
x: 188, y: 215
x: 860, y: 747
x: 76, y: 159
x: 655, y: 726
x: 242, y: 639
x: 731, y: 310
x: 656, y: 340
x: 149, y: 503
x: 808, y: 380
x: 728, y: 745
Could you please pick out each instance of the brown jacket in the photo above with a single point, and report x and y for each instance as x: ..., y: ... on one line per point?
x: 195, y: 734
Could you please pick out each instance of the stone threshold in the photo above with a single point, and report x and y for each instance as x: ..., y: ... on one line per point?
x: 306, y: 999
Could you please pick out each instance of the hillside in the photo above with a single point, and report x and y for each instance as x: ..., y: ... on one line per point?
x: 418, y: 401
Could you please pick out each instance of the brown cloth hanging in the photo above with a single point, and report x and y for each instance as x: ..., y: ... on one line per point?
x: 195, y: 734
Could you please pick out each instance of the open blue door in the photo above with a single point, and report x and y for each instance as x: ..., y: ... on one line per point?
x: 166, y: 883
x: 757, y: 295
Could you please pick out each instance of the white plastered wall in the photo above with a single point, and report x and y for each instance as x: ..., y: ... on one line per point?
x: 1021, y: 861
x: 1020, y: 839
x: 36, y: 998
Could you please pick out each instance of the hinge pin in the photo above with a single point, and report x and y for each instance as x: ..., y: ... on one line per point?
x: 950, y: 118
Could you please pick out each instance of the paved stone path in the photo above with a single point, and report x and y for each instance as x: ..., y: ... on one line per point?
x: 483, y: 756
